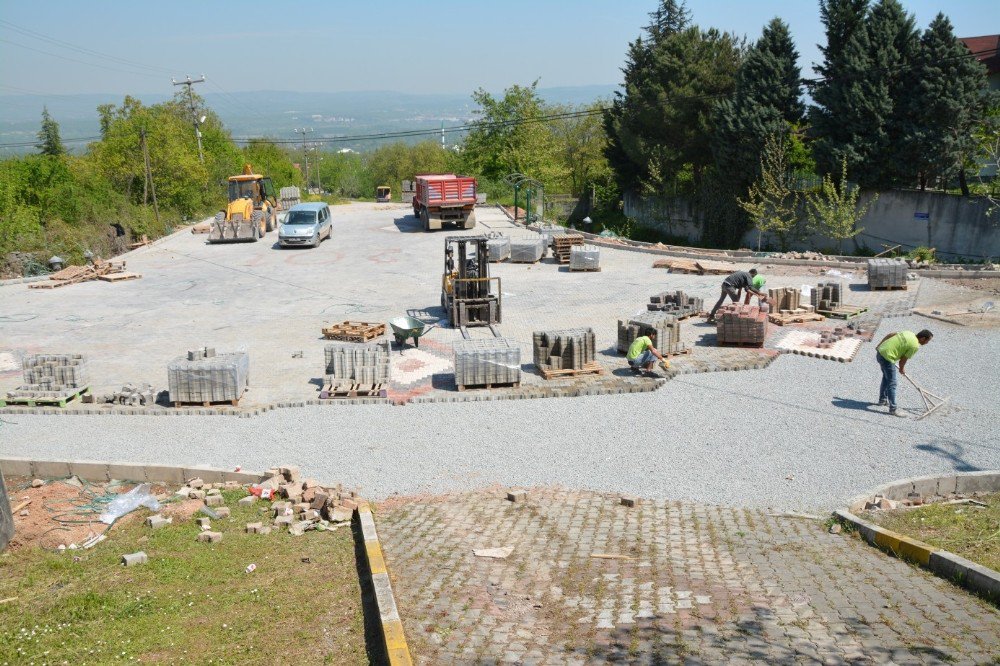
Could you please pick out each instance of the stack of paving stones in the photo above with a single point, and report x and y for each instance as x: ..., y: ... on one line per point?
x: 358, y: 363
x: 570, y: 349
x: 886, y: 274
x: 785, y: 299
x: 296, y: 504
x: 498, y: 249
x: 526, y: 250
x: 663, y: 329
x: 742, y: 325
x: 548, y: 231
x: 204, y: 376
x: 52, y: 376
x: 827, y: 296
x: 676, y: 303
x: 584, y: 258
x: 486, y: 362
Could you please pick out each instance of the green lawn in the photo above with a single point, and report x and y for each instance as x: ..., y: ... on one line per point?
x: 192, y: 603
x: 967, y: 530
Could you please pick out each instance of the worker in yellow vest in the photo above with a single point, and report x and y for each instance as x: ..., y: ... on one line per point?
x: 641, y: 354
x: 897, y: 348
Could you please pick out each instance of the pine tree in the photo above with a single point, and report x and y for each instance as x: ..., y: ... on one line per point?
x: 669, y: 18
x: 948, y: 101
x: 766, y: 101
x: 49, y: 142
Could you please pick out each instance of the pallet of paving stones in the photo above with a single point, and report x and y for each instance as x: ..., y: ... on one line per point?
x: 354, y: 331
x: 466, y: 387
x: 526, y: 250
x: 786, y: 318
x: 748, y: 345
x: 593, y: 368
x: 562, y: 246
x: 352, y: 390
x: 32, y: 397
x: 844, y: 312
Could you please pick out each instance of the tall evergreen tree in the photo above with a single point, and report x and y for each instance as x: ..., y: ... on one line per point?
x: 948, y: 101
x: 49, y: 142
x: 669, y: 18
x: 766, y: 101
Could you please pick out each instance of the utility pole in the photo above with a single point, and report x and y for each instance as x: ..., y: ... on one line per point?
x: 442, y: 135
x: 149, y: 176
x: 305, y: 155
x: 319, y: 174
x: 194, y: 112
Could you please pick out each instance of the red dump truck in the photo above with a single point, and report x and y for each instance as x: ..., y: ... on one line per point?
x: 441, y: 198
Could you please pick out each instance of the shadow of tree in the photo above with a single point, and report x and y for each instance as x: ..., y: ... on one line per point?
x: 951, y: 451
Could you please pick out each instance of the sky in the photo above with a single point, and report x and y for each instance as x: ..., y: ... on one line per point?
x: 434, y: 46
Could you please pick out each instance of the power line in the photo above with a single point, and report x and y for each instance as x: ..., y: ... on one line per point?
x: 82, y: 62
x: 79, y: 49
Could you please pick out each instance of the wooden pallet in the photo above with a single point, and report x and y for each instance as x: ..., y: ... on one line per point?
x: 748, y: 345
x: 843, y: 312
x: 354, y: 390
x: 208, y: 403
x: 45, y: 400
x: 354, y: 331
x: 692, y: 267
x: 585, y: 270
x: 683, y: 352
x: 118, y: 277
x: 796, y: 318
x: 902, y: 287
x: 593, y: 368
x: 465, y: 387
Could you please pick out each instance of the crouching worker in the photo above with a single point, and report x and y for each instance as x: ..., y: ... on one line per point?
x: 642, y: 355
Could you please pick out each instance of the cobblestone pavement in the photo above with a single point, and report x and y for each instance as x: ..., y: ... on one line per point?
x: 677, y: 583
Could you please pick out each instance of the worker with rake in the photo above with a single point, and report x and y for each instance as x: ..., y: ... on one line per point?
x: 641, y: 355
x: 897, y: 348
x: 734, y: 285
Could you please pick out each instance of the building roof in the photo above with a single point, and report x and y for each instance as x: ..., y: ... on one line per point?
x: 985, y: 50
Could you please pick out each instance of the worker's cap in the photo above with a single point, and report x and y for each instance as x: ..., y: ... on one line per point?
x: 758, y: 281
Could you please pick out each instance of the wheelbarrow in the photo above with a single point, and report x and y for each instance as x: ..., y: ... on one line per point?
x: 407, y: 327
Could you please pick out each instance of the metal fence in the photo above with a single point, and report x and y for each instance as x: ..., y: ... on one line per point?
x: 6, y: 519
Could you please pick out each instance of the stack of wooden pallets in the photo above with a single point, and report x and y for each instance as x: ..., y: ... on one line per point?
x: 106, y: 271
x: 354, y: 331
x: 562, y: 246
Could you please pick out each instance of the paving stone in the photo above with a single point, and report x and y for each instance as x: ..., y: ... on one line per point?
x: 210, y: 537
x: 728, y: 585
x: 135, y: 559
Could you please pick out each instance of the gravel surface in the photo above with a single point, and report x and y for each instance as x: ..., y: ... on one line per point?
x: 801, y: 434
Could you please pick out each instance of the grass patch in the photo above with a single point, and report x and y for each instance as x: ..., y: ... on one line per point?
x: 966, y: 530
x: 192, y: 603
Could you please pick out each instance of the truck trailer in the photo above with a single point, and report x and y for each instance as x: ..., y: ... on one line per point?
x: 440, y: 198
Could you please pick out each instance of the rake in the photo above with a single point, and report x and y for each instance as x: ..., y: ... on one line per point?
x: 931, y: 400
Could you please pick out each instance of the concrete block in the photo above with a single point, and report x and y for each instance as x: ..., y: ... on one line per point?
x: 197, y: 494
x: 196, y: 483
x: 349, y: 504
x: 926, y: 486
x: 249, y: 500
x: 206, y: 475
x: 292, y: 491
x: 517, y: 495
x: 970, y: 575
x: 158, y: 521
x: 339, y: 514
x: 215, y: 500
x: 224, y: 512
x: 89, y: 471
x: 630, y: 501
x: 978, y: 482
x: 254, y: 528
x: 124, y: 472
x: 203, y: 522
x: 51, y: 469
x: 283, y: 521
x: 210, y: 490
x: 319, y: 501
x: 210, y: 537
x: 15, y: 467
x: 135, y: 559
x: 163, y: 474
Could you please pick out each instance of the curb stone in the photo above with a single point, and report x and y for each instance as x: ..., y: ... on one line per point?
x: 973, y: 577
x: 392, y: 627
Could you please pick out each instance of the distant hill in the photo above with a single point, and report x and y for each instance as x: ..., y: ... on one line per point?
x: 276, y: 113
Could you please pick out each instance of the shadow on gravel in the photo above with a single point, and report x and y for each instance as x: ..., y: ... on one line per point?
x: 847, y: 403
x: 374, y: 645
x: 409, y: 225
x: 953, y: 453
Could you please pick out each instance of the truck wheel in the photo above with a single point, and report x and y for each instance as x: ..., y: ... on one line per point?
x: 271, y: 220
x: 425, y: 218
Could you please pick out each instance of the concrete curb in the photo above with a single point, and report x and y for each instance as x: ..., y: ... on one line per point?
x: 392, y: 627
x: 971, y: 576
x: 929, y: 486
x: 106, y: 471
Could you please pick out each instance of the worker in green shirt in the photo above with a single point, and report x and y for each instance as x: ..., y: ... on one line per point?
x: 896, y: 348
x: 641, y: 355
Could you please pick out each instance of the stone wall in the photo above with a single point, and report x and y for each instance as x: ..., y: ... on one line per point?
x: 958, y: 227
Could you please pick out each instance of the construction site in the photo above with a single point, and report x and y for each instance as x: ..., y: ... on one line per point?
x: 481, y: 373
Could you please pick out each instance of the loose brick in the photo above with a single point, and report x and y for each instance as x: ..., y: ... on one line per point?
x: 196, y: 483
x: 254, y: 528
x: 223, y: 512
x: 629, y: 500
x: 158, y: 521
x: 249, y: 500
x: 290, y: 473
x: 135, y: 559
x: 203, y: 523
x: 283, y: 521
x: 210, y: 537
x: 339, y: 514
x: 318, y: 501
x: 215, y: 500
x: 517, y: 495
x: 349, y: 504
x: 197, y: 494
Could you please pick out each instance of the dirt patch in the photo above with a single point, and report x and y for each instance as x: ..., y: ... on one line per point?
x: 988, y: 286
